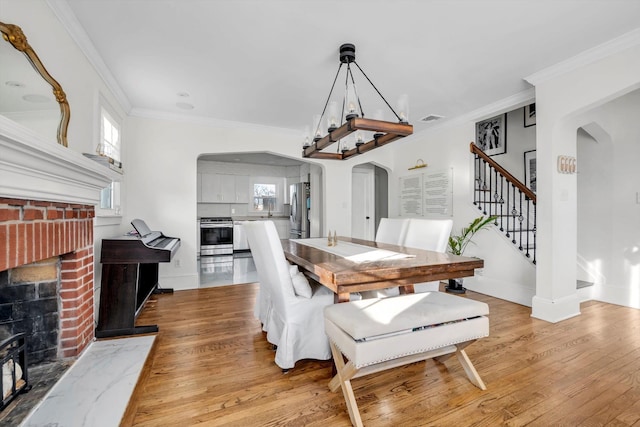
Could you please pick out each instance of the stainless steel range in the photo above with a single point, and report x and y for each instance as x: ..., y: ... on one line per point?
x: 216, y: 236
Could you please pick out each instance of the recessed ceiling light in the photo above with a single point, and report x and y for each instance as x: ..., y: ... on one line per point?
x: 431, y: 118
x: 183, y: 94
x: 185, y: 105
x: 12, y: 83
x: 35, y: 98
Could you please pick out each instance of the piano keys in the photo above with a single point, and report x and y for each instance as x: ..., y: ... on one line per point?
x: 129, y: 277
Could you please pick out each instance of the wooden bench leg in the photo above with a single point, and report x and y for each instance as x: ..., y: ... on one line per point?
x: 469, y: 369
x: 343, y: 379
x: 464, y: 360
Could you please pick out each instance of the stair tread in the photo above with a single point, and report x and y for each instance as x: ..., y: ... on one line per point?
x: 583, y: 284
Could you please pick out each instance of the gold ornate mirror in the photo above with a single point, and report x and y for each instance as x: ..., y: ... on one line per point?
x: 24, y: 97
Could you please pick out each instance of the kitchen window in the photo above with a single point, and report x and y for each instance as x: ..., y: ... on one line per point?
x: 267, y: 195
x: 264, y: 197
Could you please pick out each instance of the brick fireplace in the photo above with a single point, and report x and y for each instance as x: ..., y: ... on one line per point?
x: 47, y: 198
x: 46, y: 275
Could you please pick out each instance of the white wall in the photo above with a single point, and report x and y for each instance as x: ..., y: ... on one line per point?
x: 507, y: 273
x: 595, y: 207
x: 608, y: 205
x: 519, y: 140
x: 563, y: 101
x: 624, y: 286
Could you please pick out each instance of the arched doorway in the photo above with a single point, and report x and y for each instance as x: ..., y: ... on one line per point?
x: 369, y: 199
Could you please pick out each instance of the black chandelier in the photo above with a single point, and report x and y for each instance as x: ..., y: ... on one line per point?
x: 354, y: 119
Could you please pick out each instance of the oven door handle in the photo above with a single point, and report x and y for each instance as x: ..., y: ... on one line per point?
x: 216, y: 225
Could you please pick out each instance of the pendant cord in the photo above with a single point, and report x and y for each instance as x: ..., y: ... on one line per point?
x: 344, y: 100
x: 355, y: 89
x: 374, y: 86
x: 328, y: 98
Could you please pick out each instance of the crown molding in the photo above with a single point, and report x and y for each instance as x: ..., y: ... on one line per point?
x: 208, y: 121
x: 70, y: 22
x: 587, y: 57
x: 504, y: 105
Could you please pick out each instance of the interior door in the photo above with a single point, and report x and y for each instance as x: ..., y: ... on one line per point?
x: 362, y: 202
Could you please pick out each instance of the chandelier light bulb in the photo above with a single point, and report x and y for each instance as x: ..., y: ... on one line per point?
x: 317, y: 134
x: 351, y: 103
x: 306, y: 137
x: 403, y: 108
x: 332, y: 117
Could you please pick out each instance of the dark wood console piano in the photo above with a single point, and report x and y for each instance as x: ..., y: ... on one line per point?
x: 129, y: 276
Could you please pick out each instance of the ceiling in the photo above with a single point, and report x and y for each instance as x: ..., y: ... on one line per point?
x: 252, y: 159
x: 272, y: 62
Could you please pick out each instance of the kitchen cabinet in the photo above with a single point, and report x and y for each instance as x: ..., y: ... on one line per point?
x: 240, y: 242
x: 224, y: 188
x: 243, y: 192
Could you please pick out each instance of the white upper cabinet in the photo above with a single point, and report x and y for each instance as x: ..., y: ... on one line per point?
x: 224, y: 188
x: 242, y: 189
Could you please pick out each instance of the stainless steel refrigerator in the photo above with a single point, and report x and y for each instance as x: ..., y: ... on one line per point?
x: 300, y: 200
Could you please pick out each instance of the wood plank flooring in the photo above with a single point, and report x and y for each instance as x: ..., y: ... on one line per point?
x: 213, y: 367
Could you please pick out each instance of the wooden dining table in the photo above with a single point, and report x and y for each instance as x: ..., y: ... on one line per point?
x: 344, y: 276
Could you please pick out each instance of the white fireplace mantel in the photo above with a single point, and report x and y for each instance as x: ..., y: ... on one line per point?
x: 35, y: 169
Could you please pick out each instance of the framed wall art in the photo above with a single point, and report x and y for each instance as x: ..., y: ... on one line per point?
x: 491, y: 135
x: 530, y: 115
x: 530, y: 170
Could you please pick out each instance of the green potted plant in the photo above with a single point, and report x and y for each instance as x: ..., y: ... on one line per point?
x: 458, y: 243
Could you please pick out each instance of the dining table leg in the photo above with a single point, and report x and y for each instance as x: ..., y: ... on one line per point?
x: 407, y: 289
x: 341, y: 297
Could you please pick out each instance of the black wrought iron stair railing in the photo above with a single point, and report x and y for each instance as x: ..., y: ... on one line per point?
x: 497, y: 192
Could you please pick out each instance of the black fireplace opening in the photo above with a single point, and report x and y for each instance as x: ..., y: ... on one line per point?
x: 32, y: 308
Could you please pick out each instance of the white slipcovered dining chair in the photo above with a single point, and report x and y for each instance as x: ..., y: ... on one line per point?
x: 430, y: 235
x: 392, y: 230
x: 427, y: 234
x: 295, y: 319
x: 263, y: 305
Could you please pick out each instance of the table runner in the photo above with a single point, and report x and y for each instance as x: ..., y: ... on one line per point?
x: 353, y: 251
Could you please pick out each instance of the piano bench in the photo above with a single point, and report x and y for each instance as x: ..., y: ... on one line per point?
x: 382, y: 333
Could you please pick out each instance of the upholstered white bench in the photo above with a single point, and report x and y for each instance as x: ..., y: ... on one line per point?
x: 382, y: 333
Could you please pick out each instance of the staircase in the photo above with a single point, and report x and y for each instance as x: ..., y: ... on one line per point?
x: 497, y: 192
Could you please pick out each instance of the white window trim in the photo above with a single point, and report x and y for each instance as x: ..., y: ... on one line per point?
x: 103, y: 105
x: 279, y: 182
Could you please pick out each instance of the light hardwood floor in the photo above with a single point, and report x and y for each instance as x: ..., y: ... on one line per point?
x: 213, y: 367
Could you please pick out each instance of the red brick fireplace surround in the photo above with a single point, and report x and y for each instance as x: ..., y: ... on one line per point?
x: 32, y: 231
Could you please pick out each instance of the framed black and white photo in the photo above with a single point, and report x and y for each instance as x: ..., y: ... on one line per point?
x: 530, y: 170
x: 491, y: 135
x: 530, y: 115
